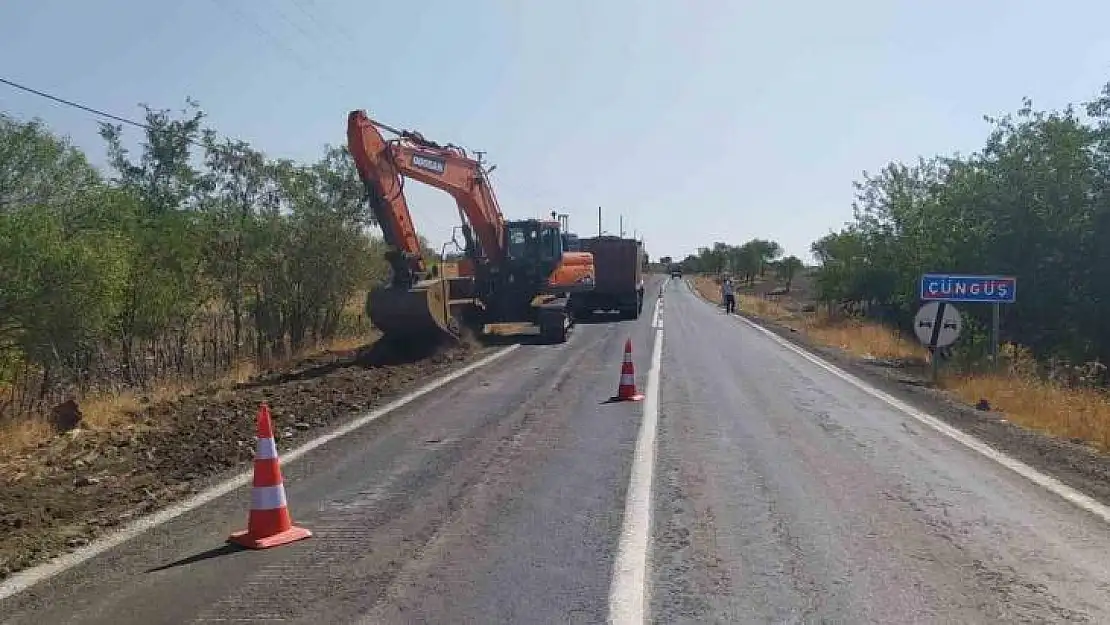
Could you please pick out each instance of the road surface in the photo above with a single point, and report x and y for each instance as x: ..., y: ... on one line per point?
x: 781, y: 494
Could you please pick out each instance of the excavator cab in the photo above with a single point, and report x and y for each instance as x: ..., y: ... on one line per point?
x: 537, y: 276
x: 533, y: 245
x: 536, y: 256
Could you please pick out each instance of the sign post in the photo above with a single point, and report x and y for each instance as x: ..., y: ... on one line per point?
x: 996, y: 316
x: 993, y: 290
x: 937, y: 325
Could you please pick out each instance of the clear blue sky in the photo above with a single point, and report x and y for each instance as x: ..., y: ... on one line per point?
x: 695, y: 120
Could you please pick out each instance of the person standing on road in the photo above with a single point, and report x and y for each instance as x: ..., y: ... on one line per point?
x: 729, y: 296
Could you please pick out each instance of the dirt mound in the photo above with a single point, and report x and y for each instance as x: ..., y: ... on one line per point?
x: 64, y: 493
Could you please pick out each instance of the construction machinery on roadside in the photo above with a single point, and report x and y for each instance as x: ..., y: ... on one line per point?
x: 514, y: 271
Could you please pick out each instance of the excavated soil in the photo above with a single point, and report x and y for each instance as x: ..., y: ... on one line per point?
x: 66, y: 492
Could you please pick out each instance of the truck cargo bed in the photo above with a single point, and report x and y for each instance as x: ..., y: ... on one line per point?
x: 618, y: 281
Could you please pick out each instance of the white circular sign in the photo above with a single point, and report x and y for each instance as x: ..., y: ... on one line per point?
x: 937, y: 324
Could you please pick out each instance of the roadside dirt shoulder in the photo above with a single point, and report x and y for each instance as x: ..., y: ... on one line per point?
x: 1076, y: 464
x: 67, y: 492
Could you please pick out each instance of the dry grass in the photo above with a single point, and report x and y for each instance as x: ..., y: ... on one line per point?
x: 114, y: 411
x: 111, y: 411
x: 866, y: 340
x: 1073, y: 413
x: 1078, y: 414
x: 23, y: 434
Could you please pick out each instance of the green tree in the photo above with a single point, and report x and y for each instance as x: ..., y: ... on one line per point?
x: 1031, y: 203
x: 165, y: 287
x: 788, y: 269
x: 193, y: 248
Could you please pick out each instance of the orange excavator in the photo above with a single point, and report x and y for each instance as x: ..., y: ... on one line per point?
x: 510, y: 272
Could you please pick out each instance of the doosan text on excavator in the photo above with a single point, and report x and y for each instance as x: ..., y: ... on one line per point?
x: 511, y: 270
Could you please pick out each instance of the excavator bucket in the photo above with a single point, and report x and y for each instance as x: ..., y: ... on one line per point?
x: 420, y: 313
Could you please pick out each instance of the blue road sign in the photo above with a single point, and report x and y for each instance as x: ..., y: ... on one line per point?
x: 942, y: 287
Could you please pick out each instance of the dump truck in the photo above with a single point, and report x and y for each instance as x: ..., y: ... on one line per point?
x: 618, y: 278
x: 510, y: 271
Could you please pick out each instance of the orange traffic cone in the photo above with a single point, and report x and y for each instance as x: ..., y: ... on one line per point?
x: 269, y: 524
x: 627, y: 389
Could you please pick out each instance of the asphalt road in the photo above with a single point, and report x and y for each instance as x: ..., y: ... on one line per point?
x: 781, y: 494
x: 784, y: 494
x: 497, y: 499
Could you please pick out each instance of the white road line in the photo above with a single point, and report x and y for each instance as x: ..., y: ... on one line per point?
x: 25, y: 579
x: 628, y: 589
x: 1048, y: 482
x: 657, y: 316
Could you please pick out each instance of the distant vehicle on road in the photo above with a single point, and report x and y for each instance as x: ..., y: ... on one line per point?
x: 676, y: 271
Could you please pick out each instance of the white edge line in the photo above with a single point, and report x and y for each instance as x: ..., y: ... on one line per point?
x: 628, y: 589
x: 23, y: 580
x: 1050, y: 483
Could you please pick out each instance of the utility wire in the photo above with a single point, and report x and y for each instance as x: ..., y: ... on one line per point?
x: 266, y: 34
x: 278, y: 43
x: 307, y: 35
x: 131, y: 122
x: 89, y: 109
x: 326, y: 40
x: 342, y: 31
x: 66, y: 102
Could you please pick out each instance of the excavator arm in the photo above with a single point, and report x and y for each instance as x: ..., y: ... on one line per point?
x: 385, y: 193
x: 383, y: 165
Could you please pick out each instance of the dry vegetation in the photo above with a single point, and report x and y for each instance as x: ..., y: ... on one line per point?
x: 1016, y: 390
x: 105, y: 410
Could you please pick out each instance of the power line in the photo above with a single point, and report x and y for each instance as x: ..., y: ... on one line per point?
x: 266, y: 34
x: 307, y: 35
x: 327, y: 38
x: 342, y: 31
x: 66, y: 102
x: 131, y: 122
x: 94, y: 111
x: 278, y: 43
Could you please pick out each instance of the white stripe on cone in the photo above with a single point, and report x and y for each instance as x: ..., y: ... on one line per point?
x: 267, y: 449
x: 268, y: 497
x: 627, y: 379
